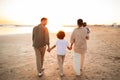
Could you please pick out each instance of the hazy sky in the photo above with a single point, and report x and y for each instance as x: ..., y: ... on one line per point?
x: 60, y: 11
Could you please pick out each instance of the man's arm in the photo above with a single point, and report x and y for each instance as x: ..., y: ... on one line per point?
x: 51, y: 48
x: 47, y: 37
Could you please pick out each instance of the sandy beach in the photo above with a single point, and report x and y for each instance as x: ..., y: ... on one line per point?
x: 102, y: 61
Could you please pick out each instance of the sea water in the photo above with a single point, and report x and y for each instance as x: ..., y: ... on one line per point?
x: 6, y: 30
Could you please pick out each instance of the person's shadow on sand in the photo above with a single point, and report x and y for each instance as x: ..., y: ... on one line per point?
x: 72, y: 77
x: 53, y: 74
x: 83, y: 77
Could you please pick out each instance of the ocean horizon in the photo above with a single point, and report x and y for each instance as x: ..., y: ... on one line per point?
x: 22, y: 29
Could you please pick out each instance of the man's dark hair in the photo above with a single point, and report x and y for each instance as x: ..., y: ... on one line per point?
x: 43, y: 19
x: 60, y: 35
x: 79, y: 22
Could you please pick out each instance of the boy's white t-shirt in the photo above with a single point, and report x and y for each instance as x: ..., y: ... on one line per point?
x: 61, y: 46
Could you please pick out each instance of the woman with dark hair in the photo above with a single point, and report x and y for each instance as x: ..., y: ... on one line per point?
x: 79, y: 39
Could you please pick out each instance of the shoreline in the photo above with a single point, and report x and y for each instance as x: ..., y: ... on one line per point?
x: 11, y: 30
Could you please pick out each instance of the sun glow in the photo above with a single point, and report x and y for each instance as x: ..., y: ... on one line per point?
x: 60, y: 11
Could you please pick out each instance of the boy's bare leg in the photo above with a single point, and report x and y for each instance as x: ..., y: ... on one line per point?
x: 60, y: 64
x: 63, y: 58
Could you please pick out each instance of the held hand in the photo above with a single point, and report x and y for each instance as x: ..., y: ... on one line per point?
x: 48, y: 50
x: 87, y: 37
x: 70, y: 47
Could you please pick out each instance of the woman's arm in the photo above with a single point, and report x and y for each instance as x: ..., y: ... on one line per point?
x: 72, y: 40
x: 68, y: 48
x: 71, y: 46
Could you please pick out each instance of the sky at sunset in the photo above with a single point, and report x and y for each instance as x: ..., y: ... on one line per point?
x: 59, y: 11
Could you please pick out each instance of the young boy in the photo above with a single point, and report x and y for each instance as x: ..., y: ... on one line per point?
x: 61, y: 45
x: 85, y: 26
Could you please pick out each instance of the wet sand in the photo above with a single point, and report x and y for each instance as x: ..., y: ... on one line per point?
x: 102, y: 61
